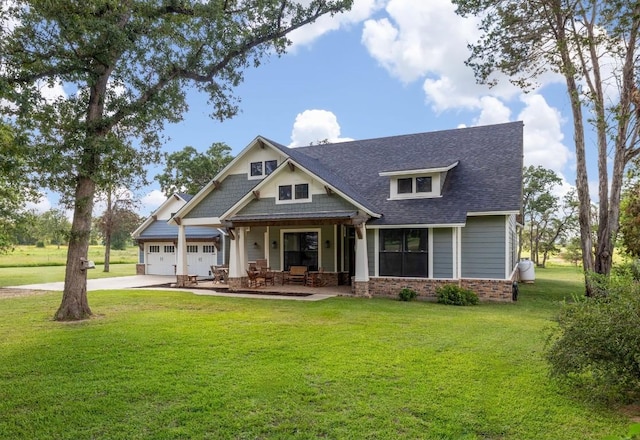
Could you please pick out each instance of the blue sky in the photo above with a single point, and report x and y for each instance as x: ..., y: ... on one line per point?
x: 386, y: 68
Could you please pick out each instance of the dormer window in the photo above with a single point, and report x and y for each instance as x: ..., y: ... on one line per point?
x: 417, y: 184
x: 258, y: 170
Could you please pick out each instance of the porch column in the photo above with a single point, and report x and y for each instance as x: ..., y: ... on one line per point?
x: 361, y: 279
x: 237, y: 259
x: 181, y: 258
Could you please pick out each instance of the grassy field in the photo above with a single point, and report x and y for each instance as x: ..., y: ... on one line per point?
x: 16, y: 276
x: 52, y: 255
x: 167, y: 364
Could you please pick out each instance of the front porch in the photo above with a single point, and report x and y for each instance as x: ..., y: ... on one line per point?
x: 277, y: 289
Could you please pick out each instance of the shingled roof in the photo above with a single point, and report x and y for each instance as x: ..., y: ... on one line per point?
x: 488, y: 177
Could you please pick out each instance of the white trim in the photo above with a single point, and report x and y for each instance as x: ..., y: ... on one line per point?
x: 149, y: 219
x: 201, y: 221
x: 459, y: 244
x: 418, y: 226
x: 293, y: 198
x: 376, y: 254
x: 454, y: 254
x: 418, y: 171
x: 507, y: 239
x: 186, y: 208
x: 435, y: 192
x: 430, y: 253
x: 249, y: 196
x: 482, y: 213
x: 335, y: 248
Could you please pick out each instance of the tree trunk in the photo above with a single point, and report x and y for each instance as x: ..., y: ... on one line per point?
x: 75, y: 305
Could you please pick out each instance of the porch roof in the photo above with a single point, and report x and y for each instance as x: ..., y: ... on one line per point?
x: 294, y: 219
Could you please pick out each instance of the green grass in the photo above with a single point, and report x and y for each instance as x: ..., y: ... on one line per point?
x: 167, y: 364
x: 57, y: 256
x: 16, y: 276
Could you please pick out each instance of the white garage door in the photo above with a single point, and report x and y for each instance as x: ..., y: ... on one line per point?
x: 160, y: 258
x: 200, y: 258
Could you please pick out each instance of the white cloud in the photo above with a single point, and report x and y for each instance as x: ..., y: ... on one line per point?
x: 493, y: 111
x: 427, y: 40
x: 360, y: 11
x: 315, y: 126
x: 151, y: 202
x: 543, y: 138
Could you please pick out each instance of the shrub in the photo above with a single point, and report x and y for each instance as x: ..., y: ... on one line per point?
x: 407, y: 294
x: 596, y: 345
x: 40, y: 244
x: 455, y: 295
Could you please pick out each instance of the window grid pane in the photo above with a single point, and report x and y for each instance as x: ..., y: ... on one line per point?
x: 284, y: 192
x: 256, y: 168
x: 405, y: 186
x: 404, y: 252
x: 423, y: 184
x: 270, y: 166
x: 302, y: 191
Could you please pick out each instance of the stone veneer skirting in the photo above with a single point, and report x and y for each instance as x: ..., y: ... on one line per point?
x: 387, y: 287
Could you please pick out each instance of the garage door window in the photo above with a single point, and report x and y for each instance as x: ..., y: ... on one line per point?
x: 169, y: 249
x: 192, y: 249
x: 154, y: 249
x: 208, y: 249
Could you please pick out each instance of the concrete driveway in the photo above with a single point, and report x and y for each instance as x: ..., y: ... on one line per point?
x: 153, y: 281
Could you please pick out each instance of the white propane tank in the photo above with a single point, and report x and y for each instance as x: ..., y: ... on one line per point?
x: 527, y: 271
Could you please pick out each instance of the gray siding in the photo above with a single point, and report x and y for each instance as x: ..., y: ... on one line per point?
x: 320, y: 203
x: 223, y: 255
x: 254, y: 237
x: 328, y: 254
x: 442, y: 253
x: 371, y: 251
x: 274, y: 254
x: 218, y: 201
x: 513, y: 245
x: 483, y: 247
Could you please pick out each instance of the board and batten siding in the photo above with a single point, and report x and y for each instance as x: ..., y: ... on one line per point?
x: 442, y: 253
x: 483, y: 247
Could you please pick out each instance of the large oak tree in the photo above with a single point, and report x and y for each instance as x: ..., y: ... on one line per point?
x: 125, y: 66
x: 594, y: 46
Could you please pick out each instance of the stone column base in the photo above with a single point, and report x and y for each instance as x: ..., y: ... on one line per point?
x: 183, y: 281
x: 236, y: 284
x: 360, y: 288
x: 141, y: 269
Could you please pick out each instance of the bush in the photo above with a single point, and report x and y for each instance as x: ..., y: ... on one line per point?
x: 596, y: 345
x: 40, y: 244
x: 407, y: 294
x: 457, y: 296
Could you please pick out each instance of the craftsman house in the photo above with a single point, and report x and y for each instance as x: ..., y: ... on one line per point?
x: 416, y: 210
x: 158, y: 240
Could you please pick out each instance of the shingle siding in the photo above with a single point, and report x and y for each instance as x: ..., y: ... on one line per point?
x: 218, y: 201
x: 442, y: 253
x: 483, y: 247
x: 320, y: 203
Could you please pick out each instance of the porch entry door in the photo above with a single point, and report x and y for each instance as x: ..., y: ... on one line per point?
x: 301, y: 249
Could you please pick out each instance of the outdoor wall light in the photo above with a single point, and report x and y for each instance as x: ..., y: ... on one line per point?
x: 255, y: 245
x: 327, y: 244
x: 274, y: 244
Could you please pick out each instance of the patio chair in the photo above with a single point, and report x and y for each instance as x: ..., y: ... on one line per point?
x: 254, y: 278
x: 296, y: 274
x: 220, y: 274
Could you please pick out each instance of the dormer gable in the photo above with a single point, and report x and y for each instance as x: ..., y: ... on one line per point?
x: 423, y: 183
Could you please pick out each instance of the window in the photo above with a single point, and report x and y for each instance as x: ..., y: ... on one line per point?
x: 284, y: 192
x: 154, y: 249
x: 405, y: 186
x: 169, y: 249
x: 260, y: 169
x: 298, y: 191
x: 192, y: 249
x: 300, y: 249
x: 270, y: 166
x: 404, y: 252
x: 302, y: 191
x: 256, y: 168
x: 423, y: 184
x: 208, y: 249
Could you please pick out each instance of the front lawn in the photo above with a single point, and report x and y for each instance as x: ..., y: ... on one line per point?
x: 167, y: 364
x: 16, y: 276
